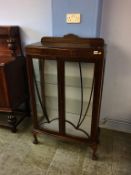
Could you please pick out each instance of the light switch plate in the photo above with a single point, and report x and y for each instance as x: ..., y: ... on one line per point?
x: 73, y: 18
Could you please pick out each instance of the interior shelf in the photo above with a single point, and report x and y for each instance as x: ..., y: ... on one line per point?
x: 71, y: 106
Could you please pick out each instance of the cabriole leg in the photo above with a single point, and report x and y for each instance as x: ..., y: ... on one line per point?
x: 94, y: 148
x: 35, y: 141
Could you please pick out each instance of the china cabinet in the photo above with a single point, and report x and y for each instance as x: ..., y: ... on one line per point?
x: 53, y: 57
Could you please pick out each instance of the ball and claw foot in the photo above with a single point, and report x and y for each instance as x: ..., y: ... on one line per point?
x: 35, y: 141
x: 12, y: 122
x: 94, y: 148
x: 94, y: 157
x: 14, y: 130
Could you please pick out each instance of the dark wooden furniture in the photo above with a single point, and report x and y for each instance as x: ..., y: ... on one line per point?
x: 13, y: 82
x: 69, y: 48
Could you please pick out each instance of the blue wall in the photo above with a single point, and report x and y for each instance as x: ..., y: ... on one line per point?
x: 90, y: 11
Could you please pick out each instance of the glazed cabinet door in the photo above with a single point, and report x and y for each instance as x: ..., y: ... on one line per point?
x: 79, y: 86
x: 46, y: 94
x: 64, y: 96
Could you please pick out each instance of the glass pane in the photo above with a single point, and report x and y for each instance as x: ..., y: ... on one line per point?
x: 46, y: 93
x: 78, y: 95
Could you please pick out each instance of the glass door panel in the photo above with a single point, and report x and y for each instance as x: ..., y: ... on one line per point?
x: 45, y: 82
x: 78, y: 98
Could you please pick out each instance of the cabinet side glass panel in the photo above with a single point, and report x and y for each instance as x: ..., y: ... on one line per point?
x: 46, y: 93
x: 79, y: 85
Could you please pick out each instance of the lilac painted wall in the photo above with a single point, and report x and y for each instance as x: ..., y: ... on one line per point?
x: 116, y: 30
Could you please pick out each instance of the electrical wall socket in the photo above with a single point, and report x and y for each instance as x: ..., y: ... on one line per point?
x: 73, y: 18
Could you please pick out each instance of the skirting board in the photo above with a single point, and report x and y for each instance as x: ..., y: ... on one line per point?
x: 118, y: 125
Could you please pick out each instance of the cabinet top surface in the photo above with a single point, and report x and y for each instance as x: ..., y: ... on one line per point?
x: 68, y: 41
x: 68, y: 45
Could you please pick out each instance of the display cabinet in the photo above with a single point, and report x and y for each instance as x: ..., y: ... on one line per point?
x: 65, y: 77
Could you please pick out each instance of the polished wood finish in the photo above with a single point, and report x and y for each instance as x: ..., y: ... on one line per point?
x: 73, y: 49
x: 13, y: 86
x: 10, y: 43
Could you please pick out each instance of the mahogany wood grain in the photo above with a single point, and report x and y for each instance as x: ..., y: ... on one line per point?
x: 69, y: 48
x: 13, y: 79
